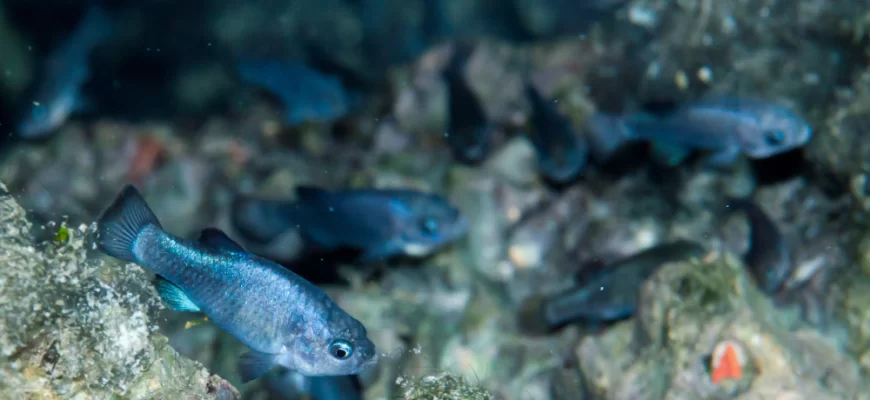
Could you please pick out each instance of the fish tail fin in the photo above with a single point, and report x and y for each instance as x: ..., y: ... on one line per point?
x: 532, y: 317
x: 260, y: 220
x: 121, y: 223
x: 607, y: 133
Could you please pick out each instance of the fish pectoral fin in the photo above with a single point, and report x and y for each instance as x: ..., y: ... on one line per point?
x: 217, y: 239
x: 254, y: 364
x: 173, y: 297
x: 668, y: 154
x: 723, y: 158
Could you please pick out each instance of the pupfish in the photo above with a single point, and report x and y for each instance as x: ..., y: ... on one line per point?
x: 380, y: 223
x: 562, y: 153
x: 283, y: 318
x: 608, y: 294
x: 469, y: 130
x: 57, y: 93
x: 307, y: 94
x: 725, y: 126
x: 769, y: 257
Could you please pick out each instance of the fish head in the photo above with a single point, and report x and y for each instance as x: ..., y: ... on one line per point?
x: 342, y: 347
x: 426, y: 222
x: 41, y: 118
x: 777, y: 129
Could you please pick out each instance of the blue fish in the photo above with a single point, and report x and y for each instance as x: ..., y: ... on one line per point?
x: 769, y: 256
x: 725, y: 126
x: 562, y: 154
x: 57, y: 93
x: 284, y: 319
x: 608, y: 294
x: 469, y: 130
x: 307, y: 94
x: 380, y: 223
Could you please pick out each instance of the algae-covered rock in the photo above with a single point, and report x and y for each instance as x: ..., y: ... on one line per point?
x: 444, y: 386
x: 688, y: 309
x: 72, y: 326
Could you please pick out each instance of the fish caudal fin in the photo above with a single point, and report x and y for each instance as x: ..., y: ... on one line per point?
x: 254, y: 364
x: 173, y: 297
x: 121, y: 223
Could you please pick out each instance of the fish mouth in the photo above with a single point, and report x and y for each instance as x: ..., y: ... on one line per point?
x: 371, y: 362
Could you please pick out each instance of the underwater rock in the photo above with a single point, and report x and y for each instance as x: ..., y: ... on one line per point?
x: 73, y: 326
x: 687, y: 309
x: 443, y: 386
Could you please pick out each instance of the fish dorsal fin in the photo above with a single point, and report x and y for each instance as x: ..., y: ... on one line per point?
x: 217, y: 239
x: 311, y: 193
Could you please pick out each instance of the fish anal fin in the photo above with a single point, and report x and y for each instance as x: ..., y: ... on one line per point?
x: 253, y: 365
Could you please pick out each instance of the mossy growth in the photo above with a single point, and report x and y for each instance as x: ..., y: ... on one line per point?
x: 443, y: 387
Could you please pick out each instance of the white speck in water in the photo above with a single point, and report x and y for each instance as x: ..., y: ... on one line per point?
x: 764, y: 12
x: 811, y: 78
x: 331, y: 209
x: 705, y: 74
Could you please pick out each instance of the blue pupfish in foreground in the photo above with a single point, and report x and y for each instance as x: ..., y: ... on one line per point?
x: 283, y: 318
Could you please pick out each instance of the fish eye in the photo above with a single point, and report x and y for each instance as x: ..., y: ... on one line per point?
x: 429, y: 225
x: 774, y: 137
x: 340, y: 349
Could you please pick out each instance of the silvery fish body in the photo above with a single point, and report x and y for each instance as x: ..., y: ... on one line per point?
x: 283, y: 318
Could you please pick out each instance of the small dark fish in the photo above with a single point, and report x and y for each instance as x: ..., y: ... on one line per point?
x: 307, y: 94
x: 283, y: 318
x: 469, y: 130
x: 606, y: 295
x: 769, y: 257
x: 726, y: 126
x: 57, y: 92
x: 380, y: 223
x: 562, y: 154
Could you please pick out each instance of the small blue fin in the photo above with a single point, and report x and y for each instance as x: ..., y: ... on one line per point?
x: 217, y: 239
x: 723, y: 158
x: 310, y: 194
x: 253, y: 365
x: 120, y: 224
x: 668, y: 154
x: 173, y: 297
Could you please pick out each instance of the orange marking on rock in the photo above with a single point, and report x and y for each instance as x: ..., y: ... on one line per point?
x: 726, y: 365
x: 145, y: 159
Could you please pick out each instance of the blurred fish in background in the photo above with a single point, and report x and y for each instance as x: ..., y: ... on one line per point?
x: 562, y: 153
x: 307, y: 94
x: 380, y: 223
x: 724, y: 126
x: 57, y: 89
